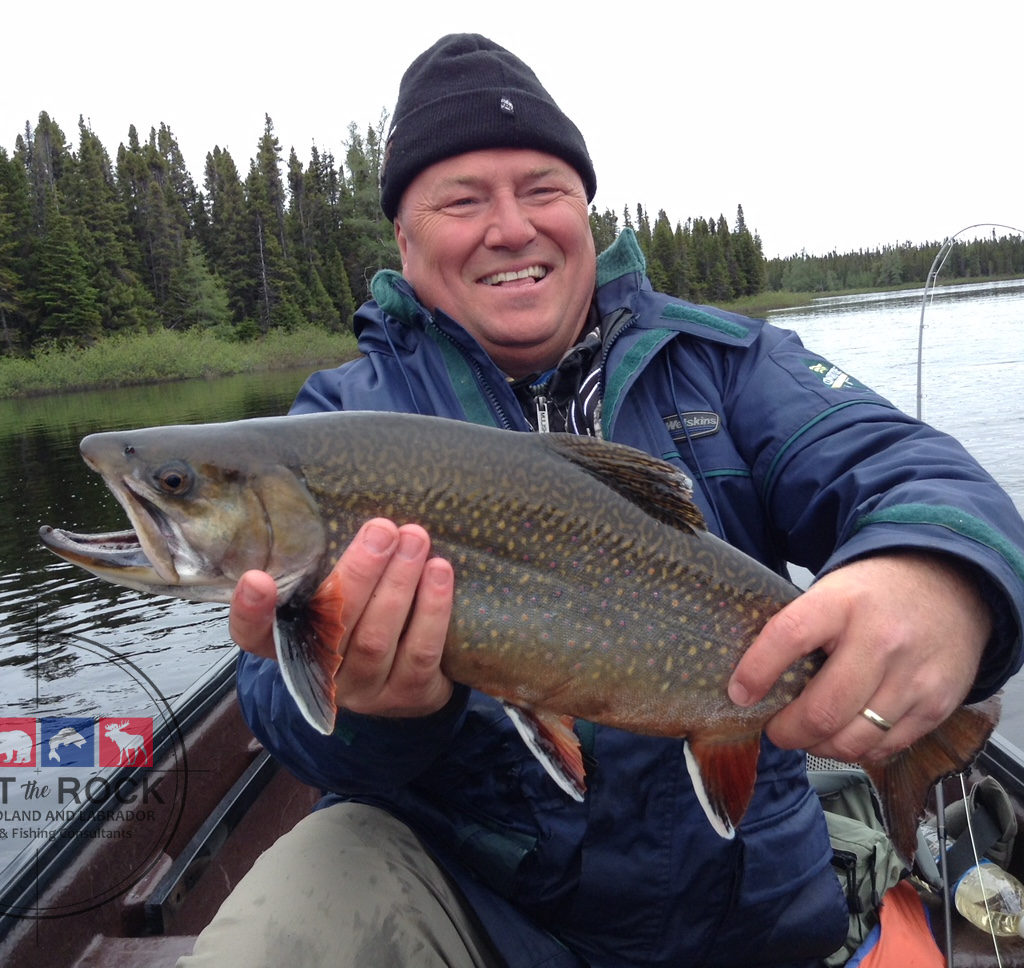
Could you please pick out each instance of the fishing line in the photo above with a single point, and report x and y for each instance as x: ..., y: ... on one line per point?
x: 977, y: 862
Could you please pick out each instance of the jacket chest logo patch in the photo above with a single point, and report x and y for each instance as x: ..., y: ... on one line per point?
x: 693, y: 423
x: 832, y: 376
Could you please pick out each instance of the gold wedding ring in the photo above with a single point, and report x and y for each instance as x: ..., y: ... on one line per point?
x: 872, y: 717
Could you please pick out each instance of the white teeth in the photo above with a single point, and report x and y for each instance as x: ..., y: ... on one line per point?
x: 531, y: 272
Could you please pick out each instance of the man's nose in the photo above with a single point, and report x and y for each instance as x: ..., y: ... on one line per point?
x: 510, y: 224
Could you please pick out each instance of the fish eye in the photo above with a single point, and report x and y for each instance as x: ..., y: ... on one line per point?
x: 174, y: 479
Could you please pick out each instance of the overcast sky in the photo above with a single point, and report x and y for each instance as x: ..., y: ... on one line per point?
x: 836, y: 126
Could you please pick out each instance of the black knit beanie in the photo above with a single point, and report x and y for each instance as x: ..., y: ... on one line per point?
x: 466, y: 93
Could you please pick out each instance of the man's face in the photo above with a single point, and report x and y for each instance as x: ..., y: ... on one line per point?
x: 500, y: 241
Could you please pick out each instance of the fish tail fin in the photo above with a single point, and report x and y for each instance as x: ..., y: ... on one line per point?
x: 904, y: 781
x: 54, y: 755
x: 550, y: 738
x: 723, y: 772
x: 308, y: 643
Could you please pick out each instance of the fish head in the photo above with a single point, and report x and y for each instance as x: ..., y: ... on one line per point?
x: 206, y: 503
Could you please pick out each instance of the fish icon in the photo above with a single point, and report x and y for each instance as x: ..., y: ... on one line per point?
x: 68, y: 736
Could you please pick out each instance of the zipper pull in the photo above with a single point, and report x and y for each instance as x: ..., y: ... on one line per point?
x: 543, y: 420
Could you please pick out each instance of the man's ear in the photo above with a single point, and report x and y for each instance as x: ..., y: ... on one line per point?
x: 400, y: 238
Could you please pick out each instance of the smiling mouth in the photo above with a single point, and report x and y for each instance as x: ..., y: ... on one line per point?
x: 530, y: 272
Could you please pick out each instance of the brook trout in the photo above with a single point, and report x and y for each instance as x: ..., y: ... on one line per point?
x: 586, y: 583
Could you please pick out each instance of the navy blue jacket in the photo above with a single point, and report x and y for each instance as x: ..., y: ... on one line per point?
x: 792, y: 461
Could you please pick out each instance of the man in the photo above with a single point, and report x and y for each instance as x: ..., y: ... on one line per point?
x: 445, y: 842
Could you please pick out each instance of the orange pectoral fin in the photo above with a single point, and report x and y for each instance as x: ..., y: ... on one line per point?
x: 723, y: 771
x: 308, y: 643
x: 325, y: 617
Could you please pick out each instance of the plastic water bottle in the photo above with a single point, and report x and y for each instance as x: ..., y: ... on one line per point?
x: 1002, y: 892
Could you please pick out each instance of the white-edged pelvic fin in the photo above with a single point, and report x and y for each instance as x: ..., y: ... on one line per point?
x: 305, y: 679
x: 719, y: 821
x: 547, y: 754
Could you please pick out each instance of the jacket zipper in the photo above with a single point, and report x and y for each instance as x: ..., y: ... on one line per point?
x: 485, y: 387
x: 540, y: 403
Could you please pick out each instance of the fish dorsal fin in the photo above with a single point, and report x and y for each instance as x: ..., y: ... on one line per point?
x: 550, y: 738
x: 655, y: 486
x: 723, y: 772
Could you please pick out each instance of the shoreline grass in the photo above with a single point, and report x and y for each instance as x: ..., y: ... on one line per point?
x: 167, y: 355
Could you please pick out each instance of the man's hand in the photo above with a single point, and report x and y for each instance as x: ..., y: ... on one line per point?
x: 904, y: 634
x: 396, y: 608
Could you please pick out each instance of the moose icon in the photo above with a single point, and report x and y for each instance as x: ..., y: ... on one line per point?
x: 131, y: 746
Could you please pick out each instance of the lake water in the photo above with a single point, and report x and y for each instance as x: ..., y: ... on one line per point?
x: 64, y: 635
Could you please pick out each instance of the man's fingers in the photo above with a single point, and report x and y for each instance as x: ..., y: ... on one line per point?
x: 393, y: 652
x: 903, y: 634
x: 788, y: 636
x: 382, y: 604
x: 415, y: 682
x: 251, y: 619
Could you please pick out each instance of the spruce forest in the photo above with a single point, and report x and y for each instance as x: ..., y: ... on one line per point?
x: 92, y: 245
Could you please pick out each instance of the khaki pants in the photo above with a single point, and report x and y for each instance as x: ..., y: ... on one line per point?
x: 349, y: 885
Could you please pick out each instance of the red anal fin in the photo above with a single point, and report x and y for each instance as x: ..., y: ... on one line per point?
x: 723, y: 770
x: 550, y: 738
x: 904, y: 781
x: 308, y: 643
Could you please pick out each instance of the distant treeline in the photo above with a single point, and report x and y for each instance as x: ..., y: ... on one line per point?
x: 704, y: 260
x: 91, y: 246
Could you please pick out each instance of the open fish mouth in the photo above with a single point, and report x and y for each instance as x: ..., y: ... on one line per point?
x: 113, y: 550
x: 148, y: 552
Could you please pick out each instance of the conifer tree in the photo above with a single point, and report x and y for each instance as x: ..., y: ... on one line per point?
x: 66, y: 304
x: 643, y: 230
x: 682, y: 280
x: 366, y: 238
x: 604, y: 228
x: 16, y: 244
x: 662, y: 262
x: 45, y: 153
x: 104, y: 240
x: 228, y: 237
x: 196, y: 297
x: 272, y: 191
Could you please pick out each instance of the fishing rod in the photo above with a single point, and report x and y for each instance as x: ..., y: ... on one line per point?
x: 933, y: 274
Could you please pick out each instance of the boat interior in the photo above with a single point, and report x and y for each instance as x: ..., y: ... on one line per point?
x: 79, y: 902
